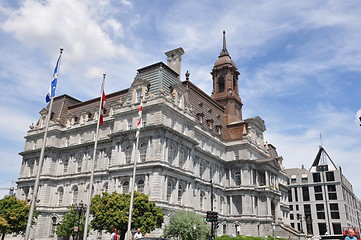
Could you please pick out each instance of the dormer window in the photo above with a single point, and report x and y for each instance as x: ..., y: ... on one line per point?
x: 210, y: 124
x: 90, y: 116
x: 200, y: 117
x: 139, y: 96
x: 219, y: 129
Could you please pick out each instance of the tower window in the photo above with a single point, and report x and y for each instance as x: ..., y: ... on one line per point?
x: 220, y: 84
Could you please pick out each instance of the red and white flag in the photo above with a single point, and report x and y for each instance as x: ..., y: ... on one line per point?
x: 103, y: 99
x: 139, y: 123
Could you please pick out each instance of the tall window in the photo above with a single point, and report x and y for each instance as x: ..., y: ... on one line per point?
x: 75, y: 194
x: 143, y: 151
x: 220, y: 84
x: 182, y: 157
x: 180, y: 193
x: 201, y: 200
x: 144, y: 119
x: 320, y: 211
x: 318, y: 193
x: 332, y: 195
x: 66, y: 164
x: 335, y: 214
x: 330, y: 176
x: 60, y: 196
x: 171, y: 153
x: 105, y: 187
x: 200, y: 169
x: 139, y: 96
x: 53, y: 226
x: 169, y: 191
x: 130, y: 124
x: 222, y: 205
x: 79, y: 163
x: 237, y: 177
x: 126, y: 187
x: 140, y: 186
x: 305, y: 194
x: 128, y: 153
x: 316, y: 177
x: 31, y: 167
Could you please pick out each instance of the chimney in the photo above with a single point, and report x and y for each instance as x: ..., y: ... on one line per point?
x: 174, y: 58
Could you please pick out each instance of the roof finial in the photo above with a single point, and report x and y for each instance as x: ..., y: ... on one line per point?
x: 224, y: 49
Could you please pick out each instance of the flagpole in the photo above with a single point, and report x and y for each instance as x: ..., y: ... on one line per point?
x: 85, y: 235
x: 134, y: 170
x: 41, y: 160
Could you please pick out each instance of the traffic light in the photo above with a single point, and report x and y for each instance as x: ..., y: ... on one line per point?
x: 209, y: 216
x: 215, y: 217
x: 216, y: 225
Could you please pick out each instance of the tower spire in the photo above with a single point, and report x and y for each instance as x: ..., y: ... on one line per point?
x: 224, y: 49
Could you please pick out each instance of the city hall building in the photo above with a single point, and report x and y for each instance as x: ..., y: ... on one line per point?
x: 188, y: 139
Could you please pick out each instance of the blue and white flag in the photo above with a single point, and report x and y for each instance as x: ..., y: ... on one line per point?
x: 52, y: 88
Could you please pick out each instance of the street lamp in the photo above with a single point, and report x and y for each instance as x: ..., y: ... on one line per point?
x: 273, y: 230
x: 80, y: 207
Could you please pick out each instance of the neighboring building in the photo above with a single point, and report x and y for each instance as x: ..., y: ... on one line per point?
x: 321, y: 199
x: 188, y: 139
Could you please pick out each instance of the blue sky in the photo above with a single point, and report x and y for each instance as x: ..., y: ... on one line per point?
x: 300, y: 64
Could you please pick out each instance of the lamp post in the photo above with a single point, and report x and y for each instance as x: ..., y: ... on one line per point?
x: 80, y: 207
x: 273, y: 230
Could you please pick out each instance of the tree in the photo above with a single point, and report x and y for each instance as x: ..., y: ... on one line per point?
x: 73, y: 218
x: 187, y: 225
x: 111, y: 210
x: 14, y: 215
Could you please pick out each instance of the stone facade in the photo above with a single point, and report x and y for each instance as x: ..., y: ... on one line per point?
x: 188, y: 139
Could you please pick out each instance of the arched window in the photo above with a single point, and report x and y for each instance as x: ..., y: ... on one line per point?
x: 180, y: 193
x: 126, y: 187
x: 169, y: 191
x: 143, y: 151
x: 128, y: 153
x: 221, y: 84
x: 75, y: 194
x: 60, y: 196
x: 140, y: 186
x: 54, y: 221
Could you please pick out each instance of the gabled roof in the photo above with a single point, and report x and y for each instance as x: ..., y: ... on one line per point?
x: 322, y: 158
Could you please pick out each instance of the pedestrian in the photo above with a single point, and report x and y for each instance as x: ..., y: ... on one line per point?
x: 114, y: 233
x: 119, y: 233
x: 350, y: 235
x: 138, y: 234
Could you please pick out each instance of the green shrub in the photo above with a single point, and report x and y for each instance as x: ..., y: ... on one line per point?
x: 240, y: 237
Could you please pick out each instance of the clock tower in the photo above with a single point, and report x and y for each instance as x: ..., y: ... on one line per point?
x: 225, y: 85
